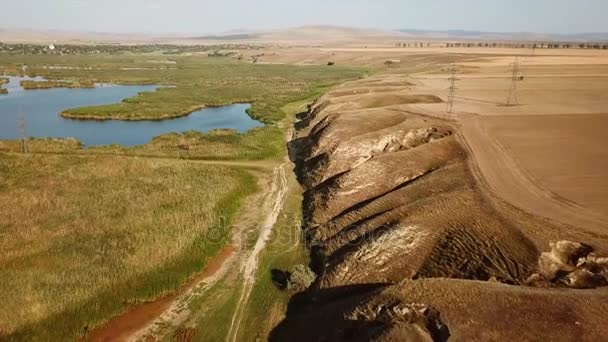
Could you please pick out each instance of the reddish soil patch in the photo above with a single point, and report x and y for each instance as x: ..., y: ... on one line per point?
x: 137, y: 317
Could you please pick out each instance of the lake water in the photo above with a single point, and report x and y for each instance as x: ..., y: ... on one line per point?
x: 41, y: 109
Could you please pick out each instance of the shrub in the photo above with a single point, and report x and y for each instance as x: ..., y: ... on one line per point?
x: 301, y: 278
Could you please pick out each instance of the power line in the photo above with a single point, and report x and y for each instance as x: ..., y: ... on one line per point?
x: 452, y: 89
x: 22, y: 127
x: 513, y: 99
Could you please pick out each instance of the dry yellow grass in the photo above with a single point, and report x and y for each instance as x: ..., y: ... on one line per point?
x: 83, y: 236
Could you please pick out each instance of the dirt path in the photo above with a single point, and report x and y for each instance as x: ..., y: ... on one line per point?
x: 250, y: 266
x: 136, y: 322
x: 505, y: 178
x: 142, y: 321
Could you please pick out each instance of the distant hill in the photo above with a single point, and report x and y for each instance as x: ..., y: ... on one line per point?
x: 305, y: 34
x: 328, y: 33
x: 239, y: 36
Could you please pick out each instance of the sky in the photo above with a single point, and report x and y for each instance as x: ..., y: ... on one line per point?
x: 217, y: 16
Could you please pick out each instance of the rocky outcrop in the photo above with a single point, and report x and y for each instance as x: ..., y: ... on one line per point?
x: 570, y: 264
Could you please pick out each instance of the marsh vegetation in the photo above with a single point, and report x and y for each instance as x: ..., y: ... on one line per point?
x: 30, y: 85
x: 102, y: 232
x: 89, y: 232
x: 3, y: 81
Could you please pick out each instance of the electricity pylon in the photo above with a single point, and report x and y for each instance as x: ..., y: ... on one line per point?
x: 22, y: 127
x: 452, y: 89
x: 512, y: 99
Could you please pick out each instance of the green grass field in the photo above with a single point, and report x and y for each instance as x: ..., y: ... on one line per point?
x: 82, y: 237
x: 197, y: 82
x: 260, y: 143
x: 30, y: 85
x: 268, y: 304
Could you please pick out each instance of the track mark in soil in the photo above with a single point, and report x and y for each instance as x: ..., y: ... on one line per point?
x: 249, y: 268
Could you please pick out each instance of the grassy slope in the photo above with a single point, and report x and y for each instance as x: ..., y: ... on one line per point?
x: 267, y: 304
x: 92, y: 234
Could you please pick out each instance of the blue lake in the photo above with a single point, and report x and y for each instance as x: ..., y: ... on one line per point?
x: 41, y: 108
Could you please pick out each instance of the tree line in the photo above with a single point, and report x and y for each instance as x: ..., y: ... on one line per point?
x: 74, y: 49
x: 535, y: 45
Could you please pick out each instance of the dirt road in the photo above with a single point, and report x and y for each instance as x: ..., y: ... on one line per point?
x: 250, y: 266
x: 140, y: 320
x: 146, y: 320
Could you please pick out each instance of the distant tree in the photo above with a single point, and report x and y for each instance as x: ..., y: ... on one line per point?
x: 331, y: 63
x: 605, y: 46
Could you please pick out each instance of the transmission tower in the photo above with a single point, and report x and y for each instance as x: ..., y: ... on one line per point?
x: 512, y: 99
x: 22, y: 127
x: 452, y: 89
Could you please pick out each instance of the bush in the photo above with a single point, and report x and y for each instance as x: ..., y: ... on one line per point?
x: 301, y: 278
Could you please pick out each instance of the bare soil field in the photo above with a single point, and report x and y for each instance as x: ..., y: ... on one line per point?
x: 565, y: 153
x: 544, y: 154
x: 411, y: 236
